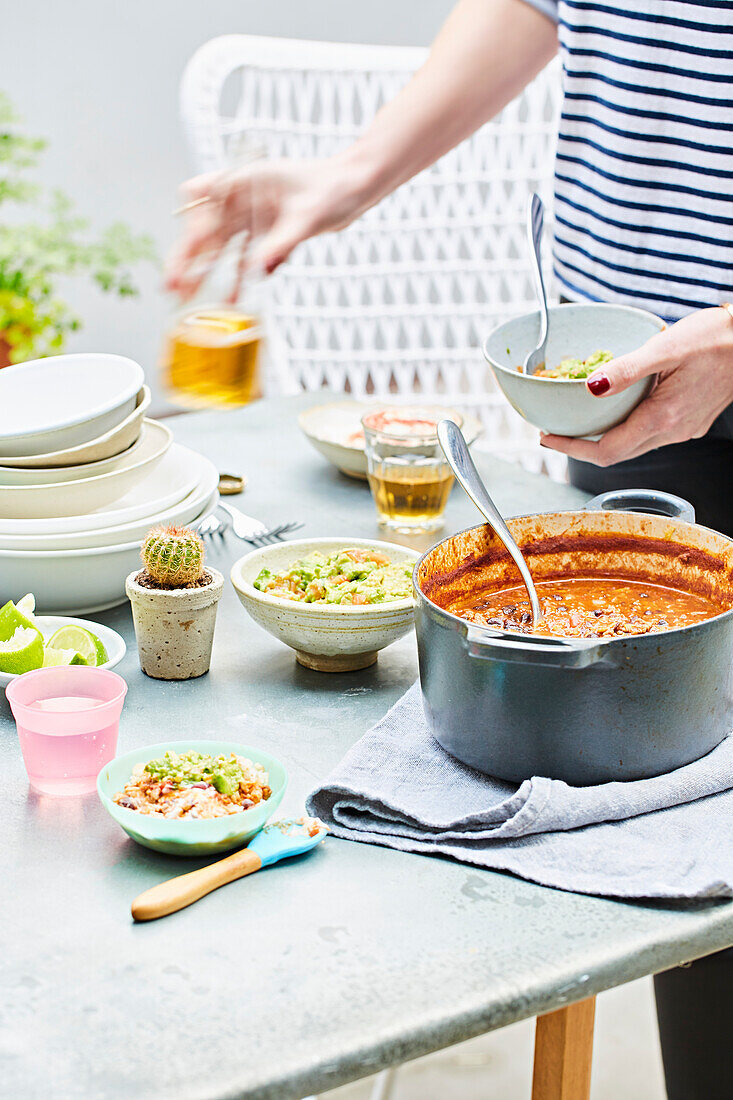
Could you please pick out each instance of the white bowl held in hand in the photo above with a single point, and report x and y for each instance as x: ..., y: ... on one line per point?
x: 565, y: 406
x: 64, y: 400
x: 326, y: 637
x: 111, y: 443
x: 82, y: 495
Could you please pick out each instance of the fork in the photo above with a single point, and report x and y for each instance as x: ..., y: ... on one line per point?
x: 213, y: 525
x: 253, y: 530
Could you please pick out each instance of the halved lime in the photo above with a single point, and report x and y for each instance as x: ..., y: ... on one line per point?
x: 22, y: 652
x: 11, y: 618
x: 27, y: 605
x: 53, y: 657
x: 81, y: 641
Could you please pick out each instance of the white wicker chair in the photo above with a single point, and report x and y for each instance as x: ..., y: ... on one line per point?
x: 400, y: 301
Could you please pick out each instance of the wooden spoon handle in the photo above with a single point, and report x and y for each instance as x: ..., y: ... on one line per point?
x: 177, y: 893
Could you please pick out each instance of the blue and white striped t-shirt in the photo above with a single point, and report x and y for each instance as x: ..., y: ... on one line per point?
x: 644, y: 171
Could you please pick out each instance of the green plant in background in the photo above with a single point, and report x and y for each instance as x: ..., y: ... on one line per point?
x: 173, y: 556
x: 34, y: 320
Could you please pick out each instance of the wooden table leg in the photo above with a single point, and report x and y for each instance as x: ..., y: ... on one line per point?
x: 563, y: 1053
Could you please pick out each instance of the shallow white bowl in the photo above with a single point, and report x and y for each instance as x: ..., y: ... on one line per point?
x: 335, y: 431
x: 64, y: 400
x: 71, y: 582
x: 178, y: 473
x: 52, y: 475
x: 326, y: 637
x: 110, y: 639
x: 564, y: 406
x: 111, y: 443
x: 85, y: 494
x: 203, y: 498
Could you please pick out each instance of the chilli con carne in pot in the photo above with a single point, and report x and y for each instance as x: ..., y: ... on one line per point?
x: 628, y: 676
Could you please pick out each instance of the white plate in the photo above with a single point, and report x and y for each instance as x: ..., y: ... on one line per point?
x: 72, y: 582
x: 52, y: 475
x: 64, y: 400
x: 110, y: 639
x: 179, y: 472
x: 335, y: 431
x: 203, y: 496
x: 112, y: 443
x: 83, y: 495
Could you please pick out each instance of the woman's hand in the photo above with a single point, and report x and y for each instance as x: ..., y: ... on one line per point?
x: 693, y: 362
x: 277, y: 204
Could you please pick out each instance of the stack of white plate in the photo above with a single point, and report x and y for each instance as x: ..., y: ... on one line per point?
x: 83, y: 476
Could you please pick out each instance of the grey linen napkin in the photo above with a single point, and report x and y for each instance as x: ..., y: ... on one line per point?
x: 669, y: 837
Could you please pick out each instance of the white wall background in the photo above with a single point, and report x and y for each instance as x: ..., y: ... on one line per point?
x: 99, y: 79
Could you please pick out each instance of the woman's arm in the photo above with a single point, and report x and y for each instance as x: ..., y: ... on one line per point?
x: 693, y: 361
x: 483, y: 56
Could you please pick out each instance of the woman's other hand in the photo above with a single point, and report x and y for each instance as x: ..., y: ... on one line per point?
x: 277, y: 204
x: 693, y: 362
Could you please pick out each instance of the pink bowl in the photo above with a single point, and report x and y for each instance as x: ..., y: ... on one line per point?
x: 68, y: 720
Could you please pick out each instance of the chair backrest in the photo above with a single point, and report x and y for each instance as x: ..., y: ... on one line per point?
x: 400, y: 301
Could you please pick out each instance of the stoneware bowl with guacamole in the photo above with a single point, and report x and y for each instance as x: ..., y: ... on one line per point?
x: 190, y: 836
x: 564, y: 406
x: 335, y: 612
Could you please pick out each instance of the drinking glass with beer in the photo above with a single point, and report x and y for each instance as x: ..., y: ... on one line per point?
x: 408, y: 475
x: 212, y: 356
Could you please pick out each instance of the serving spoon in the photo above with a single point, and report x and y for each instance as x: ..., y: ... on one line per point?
x: 459, y: 459
x: 535, y: 225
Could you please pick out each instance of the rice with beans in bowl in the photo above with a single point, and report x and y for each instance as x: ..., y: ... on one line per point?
x: 194, y: 785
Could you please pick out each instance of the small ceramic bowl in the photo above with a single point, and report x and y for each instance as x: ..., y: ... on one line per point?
x: 336, y: 433
x: 180, y: 837
x: 566, y: 406
x: 325, y: 637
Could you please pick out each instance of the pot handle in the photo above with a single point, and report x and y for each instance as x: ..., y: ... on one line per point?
x: 652, y: 501
x: 490, y: 645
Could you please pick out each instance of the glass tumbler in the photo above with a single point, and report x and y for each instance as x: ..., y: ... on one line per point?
x: 68, y: 720
x: 408, y: 475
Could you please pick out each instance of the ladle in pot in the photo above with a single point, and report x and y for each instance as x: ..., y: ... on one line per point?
x: 458, y: 458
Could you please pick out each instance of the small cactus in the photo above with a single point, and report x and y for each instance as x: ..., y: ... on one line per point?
x: 173, y: 556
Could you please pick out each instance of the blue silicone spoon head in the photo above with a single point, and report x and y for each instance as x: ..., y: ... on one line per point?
x: 281, y: 839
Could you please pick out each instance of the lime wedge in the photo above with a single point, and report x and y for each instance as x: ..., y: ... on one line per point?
x: 22, y: 652
x: 52, y: 657
x: 11, y: 618
x: 81, y: 641
x: 27, y: 605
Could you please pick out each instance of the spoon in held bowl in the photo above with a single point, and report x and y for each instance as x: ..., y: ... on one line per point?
x: 458, y: 458
x: 535, y: 225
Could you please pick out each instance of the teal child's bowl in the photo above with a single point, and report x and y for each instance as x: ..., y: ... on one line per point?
x: 180, y: 837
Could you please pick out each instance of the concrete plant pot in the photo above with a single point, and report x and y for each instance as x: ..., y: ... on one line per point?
x: 174, y: 627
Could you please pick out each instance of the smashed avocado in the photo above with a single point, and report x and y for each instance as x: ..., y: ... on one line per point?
x: 350, y: 576
x: 222, y: 772
x: 576, y: 368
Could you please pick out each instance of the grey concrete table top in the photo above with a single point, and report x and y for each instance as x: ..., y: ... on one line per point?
x: 308, y: 974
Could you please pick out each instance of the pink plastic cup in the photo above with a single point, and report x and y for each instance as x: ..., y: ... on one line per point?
x: 68, y: 719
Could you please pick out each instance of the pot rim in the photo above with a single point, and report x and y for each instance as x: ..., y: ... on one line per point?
x: 496, y: 632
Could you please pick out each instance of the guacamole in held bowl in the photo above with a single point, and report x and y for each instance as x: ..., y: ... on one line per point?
x: 351, y: 576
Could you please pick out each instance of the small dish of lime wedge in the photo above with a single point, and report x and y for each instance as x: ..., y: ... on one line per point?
x: 29, y: 641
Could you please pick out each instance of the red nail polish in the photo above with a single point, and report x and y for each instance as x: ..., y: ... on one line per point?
x: 599, y: 385
x: 271, y: 265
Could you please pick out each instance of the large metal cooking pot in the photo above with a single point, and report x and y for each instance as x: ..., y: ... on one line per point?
x: 582, y: 710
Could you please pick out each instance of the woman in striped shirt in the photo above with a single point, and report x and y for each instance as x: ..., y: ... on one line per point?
x: 644, y: 216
